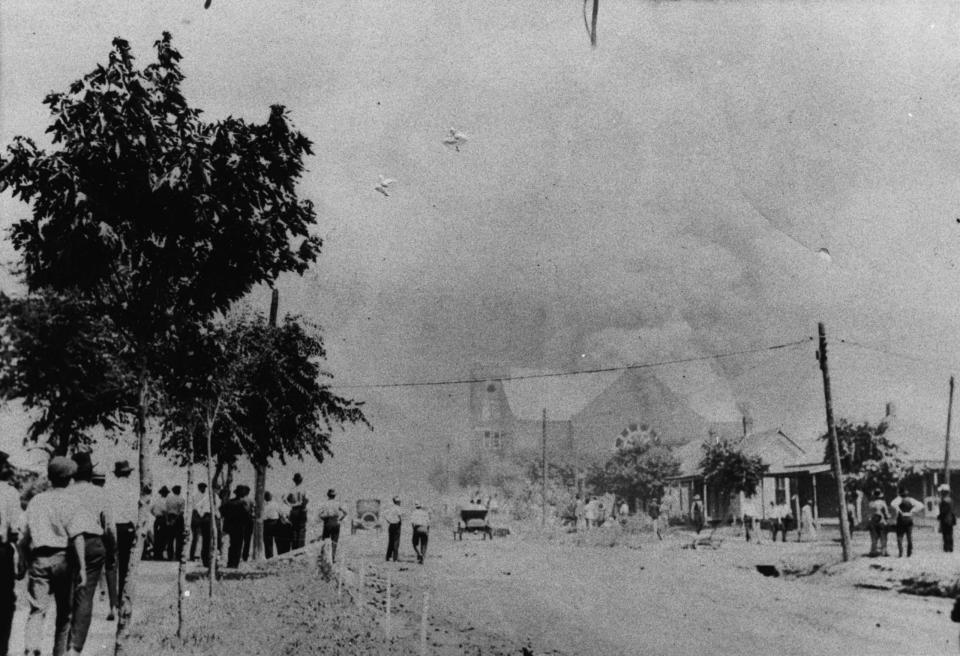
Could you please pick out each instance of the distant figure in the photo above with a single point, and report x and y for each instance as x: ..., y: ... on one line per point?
x: 946, y: 518
x: 176, y: 505
x: 592, y: 512
x: 297, y: 501
x: 904, y: 506
x: 807, y: 526
x: 331, y: 515
x: 159, y: 512
x: 777, y: 523
x: 851, y: 513
x: 235, y: 522
x: 624, y: 512
x: 391, y: 515
x: 272, y: 519
x: 749, y: 515
x: 877, y: 522
x: 697, y: 514
x: 420, y: 521
x: 9, y: 521
x: 653, y: 509
x: 200, y: 525
x: 580, y: 513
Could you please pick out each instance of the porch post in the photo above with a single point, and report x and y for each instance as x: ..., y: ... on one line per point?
x: 816, y: 508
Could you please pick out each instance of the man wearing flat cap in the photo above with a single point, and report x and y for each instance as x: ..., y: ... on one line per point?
x: 9, y: 521
x: 50, y: 527
x: 94, y: 519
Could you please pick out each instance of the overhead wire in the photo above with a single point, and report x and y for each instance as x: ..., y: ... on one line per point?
x: 554, y: 374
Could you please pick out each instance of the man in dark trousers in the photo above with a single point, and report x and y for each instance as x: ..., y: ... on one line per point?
x: 420, y: 522
x: 235, y: 522
x: 160, y: 534
x: 9, y: 521
x: 93, y: 518
x: 331, y: 515
x: 946, y: 518
x: 124, y: 498
x: 297, y: 500
x: 50, y: 528
x: 391, y: 515
x: 176, y: 506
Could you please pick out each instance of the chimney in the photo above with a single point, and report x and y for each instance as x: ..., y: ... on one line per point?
x: 891, y: 410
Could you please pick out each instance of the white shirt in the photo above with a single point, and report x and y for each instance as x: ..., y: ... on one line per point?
x: 9, y: 510
x: 391, y: 514
x: 93, y: 512
x: 124, y: 499
x: 271, y: 510
x: 420, y: 517
x: 50, y: 519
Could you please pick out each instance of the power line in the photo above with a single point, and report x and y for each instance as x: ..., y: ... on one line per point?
x: 896, y: 354
x: 554, y: 374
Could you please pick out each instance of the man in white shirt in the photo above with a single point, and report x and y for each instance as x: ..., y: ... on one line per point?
x: 124, y: 499
x: 420, y: 522
x: 9, y: 522
x: 297, y: 500
x: 200, y: 524
x: 331, y: 514
x: 50, y: 526
x: 904, y: 508
x: 392, y: 516
x: 273, y: 518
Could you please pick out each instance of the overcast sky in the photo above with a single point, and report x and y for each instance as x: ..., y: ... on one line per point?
x: 661, y: 196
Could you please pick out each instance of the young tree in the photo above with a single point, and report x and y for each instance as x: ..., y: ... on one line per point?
x: 730, y: 470
x: 159, y: 219
x: 868, y: 459
x: 638, y: 472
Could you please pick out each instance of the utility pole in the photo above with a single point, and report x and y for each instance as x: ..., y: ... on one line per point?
x: 946, y: 447
x: 835, y: 447
x: 543, y: 470
x: 261, y: 481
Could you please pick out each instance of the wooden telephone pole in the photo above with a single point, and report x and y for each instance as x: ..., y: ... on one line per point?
x: 835, y: 447
x: 261, y: 481
x: 543, y: 470
x: 946, y: 447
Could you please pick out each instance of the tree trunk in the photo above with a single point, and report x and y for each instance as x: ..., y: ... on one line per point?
x: 259, y: 488
x: 187, y: 535
x: 125, y: 612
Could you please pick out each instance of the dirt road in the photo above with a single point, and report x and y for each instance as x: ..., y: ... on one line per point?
x: 659, y: 599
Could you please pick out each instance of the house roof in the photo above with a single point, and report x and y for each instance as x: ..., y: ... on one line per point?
x: 774, y: 446
x: 917, y: 443
x: 529, y: 392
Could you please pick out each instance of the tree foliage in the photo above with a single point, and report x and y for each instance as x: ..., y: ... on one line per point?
x: 730, y: 470
x: 868, y: 458
x: 640, y: 471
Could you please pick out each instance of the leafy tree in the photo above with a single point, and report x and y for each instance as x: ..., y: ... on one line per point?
x: 159, y: 219
x: 640, y: 471
x: 84, y: 380
x: 730, y: 470
x: 868, y: 458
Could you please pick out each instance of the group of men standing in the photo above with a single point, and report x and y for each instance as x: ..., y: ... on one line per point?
x: 68, y: 538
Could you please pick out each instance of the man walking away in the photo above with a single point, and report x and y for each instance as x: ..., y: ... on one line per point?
x: 49, y: 528
x: 159, y: 512
x: 392, y: 517
x: 879, y: 519
x: 297, y: 501
x: 271, y: 525
x: 200, y: 525
x: 420, y: 521
x: 9, y: 521
x: 235, y: 520
x: 124, y: 497
x: 904, y: 507
x: 94, y: 519
x: 946, y: 518
x: 331, y: 514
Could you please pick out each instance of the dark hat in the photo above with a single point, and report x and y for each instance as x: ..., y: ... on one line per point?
x: 60, y: 468
x: 121, y: 467
x: 242, y: 490
x: 164, y: 491
x: 297, y: 478
x: 84, y: 464
x: 331, y: 493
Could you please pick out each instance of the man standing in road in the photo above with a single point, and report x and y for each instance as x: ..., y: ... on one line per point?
x: 946, y: 518
x: 392, y: 517
x: 124, y: 497
x: 420, y: 521
x: 297, y: 500
x: 653, y: 509
x: 94, y: 520
x: 331, y: 514
x: 904, y: 506
x: 50, y: 527
x: 9, y: 522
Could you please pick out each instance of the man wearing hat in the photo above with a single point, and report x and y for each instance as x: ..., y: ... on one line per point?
x: 9, y: 521
x: 160, y: 534
x: 124, y: 499
x: 94, y: 519
x: 331, y: 514
x: 420, y: 521
x: 391, y: 515
x: 946, y: 518
x: 50, y: 527
x: 297, y: 500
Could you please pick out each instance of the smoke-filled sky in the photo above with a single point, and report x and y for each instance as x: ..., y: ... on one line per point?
x: 661, y: 196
